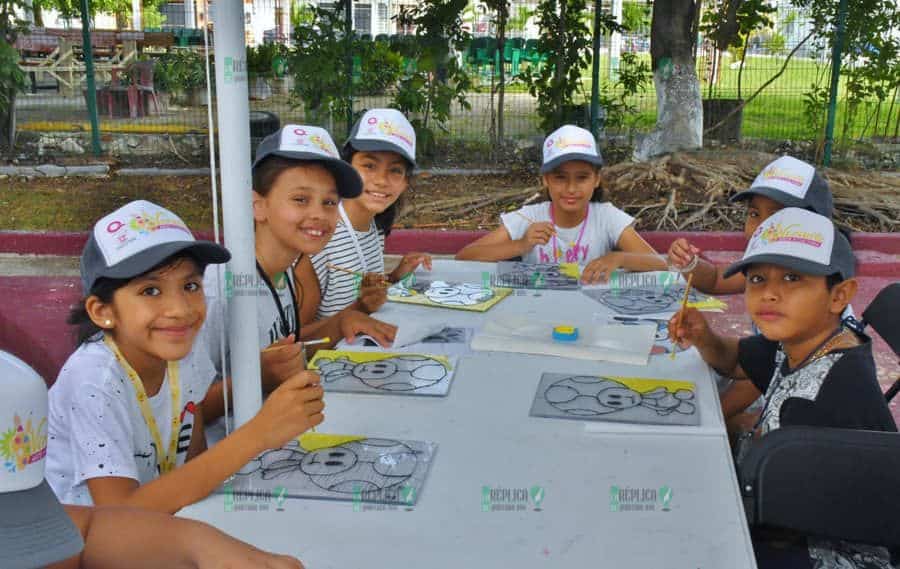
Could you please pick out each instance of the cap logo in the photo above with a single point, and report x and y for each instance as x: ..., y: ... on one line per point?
x: 386, y: 128
x: 299, y: 132
x: 562, y: 143
x: 776, y: 232
x: 23, y: 444
x: 780, y: 174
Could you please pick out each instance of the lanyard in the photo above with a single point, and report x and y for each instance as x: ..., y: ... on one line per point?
x: 359, y: 252
x: 285, y: 325
x: 164, y: 460
x: 577, y: 244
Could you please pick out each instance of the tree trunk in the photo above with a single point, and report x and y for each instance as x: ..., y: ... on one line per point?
x: 679, y: 111
x: 743, y: 61
x: 8, y: 124
x: 501, y: 43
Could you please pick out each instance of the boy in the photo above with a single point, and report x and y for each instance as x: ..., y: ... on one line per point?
x: 799, y: 271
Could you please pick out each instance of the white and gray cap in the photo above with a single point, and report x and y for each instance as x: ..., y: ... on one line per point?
x: 798, y: 239
x: 384, y: 130
x: 137, y: 237
x: 792, y: 183
x: 567, y: 143
x: 35, y: 530
x: 312, y: 144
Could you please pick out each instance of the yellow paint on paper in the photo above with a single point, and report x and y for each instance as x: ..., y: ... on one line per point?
x: 709, y: 304
x: 317, y: 441
x: 366, y: 357
x: 645, y: 385
x: 571, y: 270
x: 422, y: 300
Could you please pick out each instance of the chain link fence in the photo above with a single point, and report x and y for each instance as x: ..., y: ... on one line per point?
x: 783, y: 73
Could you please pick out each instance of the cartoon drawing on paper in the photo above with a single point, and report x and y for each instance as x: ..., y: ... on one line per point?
x: 340, y: 467
x: 415, y: 374
x: 449, y: 335
x: 634, y: 301
x: 398, y: 373
x: 613, y: 398
x: 587, y: 395
x: 368, y: 465
x: 550, y: 276
x: 444, y: 294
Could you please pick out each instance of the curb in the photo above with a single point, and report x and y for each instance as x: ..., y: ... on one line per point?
x: 54, y: 171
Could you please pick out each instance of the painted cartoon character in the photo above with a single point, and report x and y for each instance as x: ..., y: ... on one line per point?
x: 458, y: 294
x: 638, y: 300
x: 538, y: 275
x: 357, y: 466
x: 396, y: 373
x: 589, y: 396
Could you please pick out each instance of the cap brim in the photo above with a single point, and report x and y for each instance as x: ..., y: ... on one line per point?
x: 204, y: 252
x: 349, y: 184
x: 35, y: 530
x: 553, y: 164
x: 784, y: 198
x: 804, y: 266
x: 381, y: 146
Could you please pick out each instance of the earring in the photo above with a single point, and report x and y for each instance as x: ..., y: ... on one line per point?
x: 107, y: 323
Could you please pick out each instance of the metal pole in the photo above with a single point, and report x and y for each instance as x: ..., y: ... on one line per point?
x: 348, y: 37
x: 595, y: 73
x: 89, y: 72
x: 835, y: 77
x: 233, y: 110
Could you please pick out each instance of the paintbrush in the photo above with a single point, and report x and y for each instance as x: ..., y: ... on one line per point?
x: 530, y: 220
x: 684, y: 301
x: 324, y: 340
x: 384, y: 282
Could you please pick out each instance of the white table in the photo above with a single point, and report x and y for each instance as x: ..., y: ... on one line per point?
x: 486, y: 438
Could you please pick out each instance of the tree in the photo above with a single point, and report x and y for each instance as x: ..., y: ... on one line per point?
x: 500, y: 9
x: 12, y: 80
x: 731, y: 24
x: 433, y: 79
x: 679, y: 111
x: 635, y: 16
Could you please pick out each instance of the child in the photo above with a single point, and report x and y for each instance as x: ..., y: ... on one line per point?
x: 575, y: 226
x: 784, y: 182
x: 40, y: 531
x: 298, y: 179
x: 382, y: 149
x: 126, y: 423
x: 815, y: 372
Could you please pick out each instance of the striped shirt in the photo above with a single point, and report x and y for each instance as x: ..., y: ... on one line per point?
x: 340, y: 289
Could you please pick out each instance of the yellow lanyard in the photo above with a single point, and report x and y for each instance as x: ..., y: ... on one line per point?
x: 166, y: 462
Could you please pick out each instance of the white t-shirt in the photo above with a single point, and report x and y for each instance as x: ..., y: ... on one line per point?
x: 339, y: 289
x: 269, y: 325
x: 605, y: 224
x: 96, y: 428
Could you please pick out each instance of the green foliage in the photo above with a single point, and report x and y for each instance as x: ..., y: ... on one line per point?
x: 636, y: 15
x: 321, y: 53
x: 566, y: 40
x: 619, y: 103
x: 433, y: 80
x: 260, y: 59
x: 182, y: 70
x: 729, y: 23
x: 518, y: 20
x: 12, y: 80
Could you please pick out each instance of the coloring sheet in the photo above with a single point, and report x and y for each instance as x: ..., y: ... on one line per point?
x: 614, y: 343
x: 614, y: 398
x: 447, y: 294
x: 548, y: 276
x: 654, y: 294
x: 449, y: 341
x: 383, y: 373
x: 339, y: 467
x: 662, y: 345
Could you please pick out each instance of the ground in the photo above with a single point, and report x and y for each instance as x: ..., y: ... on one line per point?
x: 686, y: 191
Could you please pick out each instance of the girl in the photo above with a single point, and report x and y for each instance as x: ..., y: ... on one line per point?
x: 298, y: 179
x: 125, y: 419
x: 382, y: 149
x: 575, y: 226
